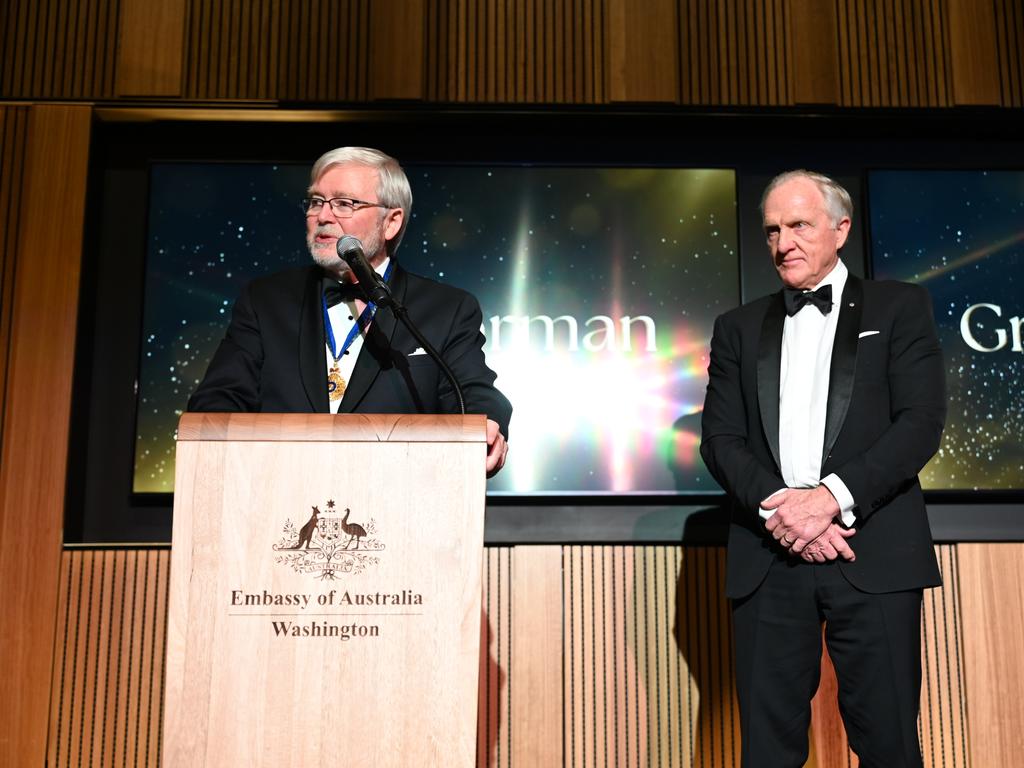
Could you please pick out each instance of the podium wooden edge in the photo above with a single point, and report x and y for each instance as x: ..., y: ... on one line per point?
x: 327, y: 427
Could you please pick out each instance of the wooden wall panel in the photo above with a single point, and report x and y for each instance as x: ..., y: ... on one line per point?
x: 542, y: 51
x: 305, y: 50
x: 992, y: 624
x: 1009, y: 24
x: 107, y: 697
x: 536, y: 668
x: 643, y: 51
x: 643, y: 674
x: 853, y: 53
x: 972, y: 52
x: 597, y: 655
x: 494, y: 740
x: 649, y: 678
x: 736, y: 53
x: 942, y: 727
x: 893, y: 53
x: 13, y: 142
x: 398, y: 29
x: 58, y: 49
x: 814, y: 61
x: 37, y: 406
x: 150, y: 43
x: 943, y: 723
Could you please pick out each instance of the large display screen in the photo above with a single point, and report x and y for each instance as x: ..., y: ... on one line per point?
x: 599, y: 289
x: 961, y: 234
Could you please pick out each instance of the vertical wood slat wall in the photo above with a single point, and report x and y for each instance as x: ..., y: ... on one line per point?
x: 516, y: 51
x: 1009, y: 44
x: 649, y: 675
x: 58, y: 49
x: 644, y: 649
x: 943, y: 726
x: 311, y: 50
x: 108, y: 668
x: 734, y: 53
x: 494, y: 741
x: 893, y: 53
x: 874, y: 53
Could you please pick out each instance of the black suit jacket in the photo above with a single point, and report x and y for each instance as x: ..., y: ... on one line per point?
x: 885, y: 413
x: 272, y: 358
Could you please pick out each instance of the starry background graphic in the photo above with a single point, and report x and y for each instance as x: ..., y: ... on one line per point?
x: 959, y: 233
x: 602, y: 405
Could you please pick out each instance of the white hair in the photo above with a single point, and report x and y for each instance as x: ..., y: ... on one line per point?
x: 393, y: 188
x: 838, y: 203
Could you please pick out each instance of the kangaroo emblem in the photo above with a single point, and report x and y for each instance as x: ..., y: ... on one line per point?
x: 306, y: 532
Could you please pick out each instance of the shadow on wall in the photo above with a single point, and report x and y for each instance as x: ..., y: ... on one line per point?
x: 703, y: 633
x: 491, y: 697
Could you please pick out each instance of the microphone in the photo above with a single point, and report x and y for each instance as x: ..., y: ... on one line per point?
x: 350, y: 250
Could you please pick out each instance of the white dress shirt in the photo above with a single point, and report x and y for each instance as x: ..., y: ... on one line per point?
x: 807, y: 341
x: 343, y: 316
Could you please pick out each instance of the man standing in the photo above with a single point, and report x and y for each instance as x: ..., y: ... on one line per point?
x: 305, y: 341
x: 824, y: 401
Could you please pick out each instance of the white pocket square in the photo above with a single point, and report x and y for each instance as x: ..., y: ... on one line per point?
x: 866, y: 333
x: 421, y: 351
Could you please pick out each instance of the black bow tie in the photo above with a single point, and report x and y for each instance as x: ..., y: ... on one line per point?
x: 335, y: 292
x: 797, y: 299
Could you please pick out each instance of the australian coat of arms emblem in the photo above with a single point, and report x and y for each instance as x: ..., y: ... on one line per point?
x: 329, y: 543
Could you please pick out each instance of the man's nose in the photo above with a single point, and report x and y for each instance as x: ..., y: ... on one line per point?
x: 326, y: 214
x: 785, y: 239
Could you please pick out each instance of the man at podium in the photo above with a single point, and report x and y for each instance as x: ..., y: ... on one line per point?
x: 307, y: 340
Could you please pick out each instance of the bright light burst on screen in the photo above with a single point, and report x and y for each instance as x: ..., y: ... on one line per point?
x: 617, y: 399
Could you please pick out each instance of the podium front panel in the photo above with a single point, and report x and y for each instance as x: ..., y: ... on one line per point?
x: 324, y: 603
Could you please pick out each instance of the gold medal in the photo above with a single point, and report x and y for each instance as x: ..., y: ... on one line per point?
x: 335, y: 384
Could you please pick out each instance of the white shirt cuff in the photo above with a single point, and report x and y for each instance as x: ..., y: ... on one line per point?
x: 843, y: 496
x: 766, y: 513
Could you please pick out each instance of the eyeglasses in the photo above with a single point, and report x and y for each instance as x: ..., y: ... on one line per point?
x: 343, y: 207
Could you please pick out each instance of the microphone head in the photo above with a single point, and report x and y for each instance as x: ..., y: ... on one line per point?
x: 348, y: 247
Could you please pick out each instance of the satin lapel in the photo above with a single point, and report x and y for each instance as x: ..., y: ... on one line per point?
x: 312, y: 355
x: 769, y: 363
x: 844, y: 362
x: 377, y: 352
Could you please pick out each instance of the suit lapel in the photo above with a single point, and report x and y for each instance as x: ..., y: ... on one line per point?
x: 769, y: 362
x: 312, y: 357
x: 376, y: 354
x: 844, y: 362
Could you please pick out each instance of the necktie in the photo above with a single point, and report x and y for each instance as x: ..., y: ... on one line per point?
x: 335, y: 292
x: 797, y: 299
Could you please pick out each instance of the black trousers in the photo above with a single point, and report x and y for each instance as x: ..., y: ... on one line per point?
x: 875, y: 645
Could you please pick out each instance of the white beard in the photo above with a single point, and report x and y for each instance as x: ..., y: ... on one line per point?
x: 326, y: 255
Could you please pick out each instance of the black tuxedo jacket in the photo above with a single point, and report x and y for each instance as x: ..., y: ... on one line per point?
x: 273, y: 359
x: 885, y: 413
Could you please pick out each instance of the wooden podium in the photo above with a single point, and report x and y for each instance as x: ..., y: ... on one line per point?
x: 324, y: 603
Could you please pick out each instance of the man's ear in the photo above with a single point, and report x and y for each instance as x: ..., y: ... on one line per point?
x: 393, y: 223
x: 842, y: 232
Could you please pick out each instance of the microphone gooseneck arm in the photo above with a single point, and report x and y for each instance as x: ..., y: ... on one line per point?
x: 402, y: 314
x: 350, y: 250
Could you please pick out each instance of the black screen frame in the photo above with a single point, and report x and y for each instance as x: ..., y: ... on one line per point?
x: 757, y: 145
